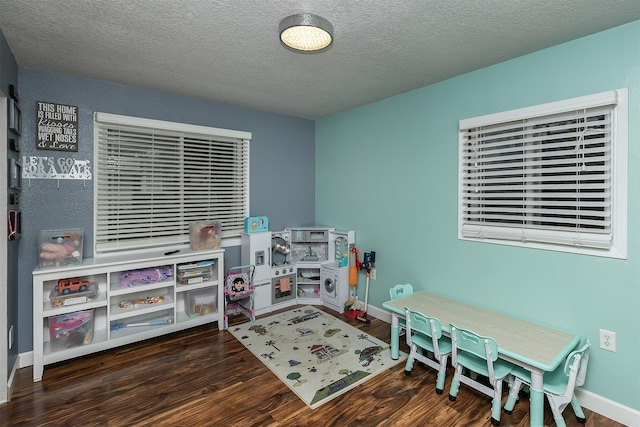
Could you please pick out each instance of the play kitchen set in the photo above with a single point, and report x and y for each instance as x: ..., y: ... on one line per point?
x: 303, y: 265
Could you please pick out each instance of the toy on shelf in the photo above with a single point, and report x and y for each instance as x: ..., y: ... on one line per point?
x: 63, y: 299
x: 73, y: 284
x: 133, y: 303
x: 153, y: 322
x: 238, y: 293
x: 145, y: 276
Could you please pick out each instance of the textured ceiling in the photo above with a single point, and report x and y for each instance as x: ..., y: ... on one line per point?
x: 229, y: 51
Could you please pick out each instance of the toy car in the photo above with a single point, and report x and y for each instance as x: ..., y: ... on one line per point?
x: 73, y: 284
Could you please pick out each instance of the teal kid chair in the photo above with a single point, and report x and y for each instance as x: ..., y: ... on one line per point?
x: 425, y: 333
x: 399, y: 291
x: 478, y: 354
x: 559, y: 385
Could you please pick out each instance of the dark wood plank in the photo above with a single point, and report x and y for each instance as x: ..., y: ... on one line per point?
x: 205, y: 377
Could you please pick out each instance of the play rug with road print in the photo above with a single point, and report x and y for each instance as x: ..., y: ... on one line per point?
x: 317, y: 355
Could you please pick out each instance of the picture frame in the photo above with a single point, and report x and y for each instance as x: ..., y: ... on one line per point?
x: 15, y: 174
x: 14, y: 198
x: 13, y: 93
x: 14, y: 116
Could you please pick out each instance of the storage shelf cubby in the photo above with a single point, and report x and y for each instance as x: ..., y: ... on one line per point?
x: 308, y: 282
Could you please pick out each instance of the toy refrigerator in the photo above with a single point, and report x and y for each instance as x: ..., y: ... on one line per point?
x: 256, y: 250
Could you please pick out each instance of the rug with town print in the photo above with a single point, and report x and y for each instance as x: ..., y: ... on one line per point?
x: 317, y: 355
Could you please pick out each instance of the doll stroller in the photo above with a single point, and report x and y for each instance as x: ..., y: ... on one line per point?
x: 238, y: 293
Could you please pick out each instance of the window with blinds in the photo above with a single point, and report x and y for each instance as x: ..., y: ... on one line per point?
x: 154, y: 178
x: 550, y: 176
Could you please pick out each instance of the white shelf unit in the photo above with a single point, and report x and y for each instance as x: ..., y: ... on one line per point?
x: 308, y: 283
x: 110, y: 319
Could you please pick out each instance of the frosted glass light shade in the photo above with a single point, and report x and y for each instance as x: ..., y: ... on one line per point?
x: 306, y: 32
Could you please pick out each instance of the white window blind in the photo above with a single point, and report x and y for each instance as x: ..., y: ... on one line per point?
x: 154, y: 178
x: 542, y: 174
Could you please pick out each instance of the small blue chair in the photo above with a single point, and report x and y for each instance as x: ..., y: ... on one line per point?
x: 425, y: 333
x: 559, y: 385
x: 399, y: 291
x: 478, y: 354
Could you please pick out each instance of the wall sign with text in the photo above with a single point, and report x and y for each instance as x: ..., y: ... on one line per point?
x: 57, y: 127
x: 34, y: 167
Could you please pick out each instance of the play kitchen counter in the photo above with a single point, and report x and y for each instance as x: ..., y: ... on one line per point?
x: 119, y: 300
x: 295, y: 254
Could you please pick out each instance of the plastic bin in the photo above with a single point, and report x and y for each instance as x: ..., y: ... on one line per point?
x: 58, y: 248
x: 71, y: 329
x: 204, y: 235
x: 59, y: 300
x: 201, y: 302
x: 197, y: 272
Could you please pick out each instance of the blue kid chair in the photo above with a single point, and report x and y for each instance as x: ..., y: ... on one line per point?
x: 425, y: 333
x: 559, y: 385
x: 480, y: 355
x: 399, y: 291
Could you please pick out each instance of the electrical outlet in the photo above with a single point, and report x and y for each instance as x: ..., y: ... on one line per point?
x: 373, y: 274
x: 607, y: 340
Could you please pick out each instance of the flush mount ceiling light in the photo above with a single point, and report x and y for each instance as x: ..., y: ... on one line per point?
x: 306, y: 32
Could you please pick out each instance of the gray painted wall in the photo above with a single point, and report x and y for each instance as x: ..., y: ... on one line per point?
x: 282, y: 162
x: 9, y: 75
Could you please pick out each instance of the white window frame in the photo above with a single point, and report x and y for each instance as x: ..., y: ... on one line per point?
x: 213, y: 191
x: 472, y: 222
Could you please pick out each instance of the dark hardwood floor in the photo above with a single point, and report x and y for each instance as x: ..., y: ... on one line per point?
x: 204, y: 377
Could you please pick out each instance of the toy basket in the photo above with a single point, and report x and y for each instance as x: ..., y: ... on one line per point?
x: 238, y: 293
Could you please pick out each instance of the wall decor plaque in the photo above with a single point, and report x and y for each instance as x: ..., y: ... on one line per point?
x: 57, y: 127
x: 55, y: 168
x: 15, y: 119
x: 13, y: 93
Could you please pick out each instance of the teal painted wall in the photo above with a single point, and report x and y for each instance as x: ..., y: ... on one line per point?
x: 389, y: 171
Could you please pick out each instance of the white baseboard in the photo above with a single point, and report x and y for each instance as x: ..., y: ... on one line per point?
x: 601, y: 405
x: 610, y: 409
x: 11, y: 379
x: 25, y: 359
x: 379, y: 313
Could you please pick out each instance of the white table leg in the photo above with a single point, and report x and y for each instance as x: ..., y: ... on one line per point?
x: 395, y: 337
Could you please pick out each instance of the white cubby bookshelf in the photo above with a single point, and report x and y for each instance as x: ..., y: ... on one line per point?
x: 111, y: 322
